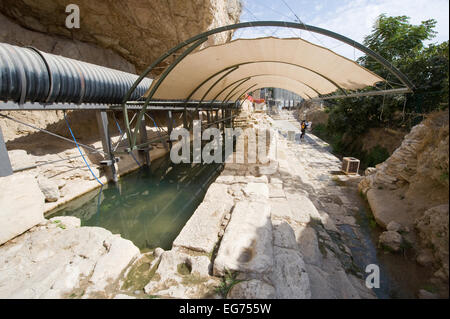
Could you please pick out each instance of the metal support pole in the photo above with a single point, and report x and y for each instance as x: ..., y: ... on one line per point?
x: 185, y: 122
x: 5, y: 164
x: 216, y: 118
x: 223, y: 121
x: 208, y: 117
x: 102, y: 121
x: 169, y: 126
x: 144, y: 153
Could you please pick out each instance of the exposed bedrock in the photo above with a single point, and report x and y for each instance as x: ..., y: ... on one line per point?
x: 411, y: 189
x: 137, y: 30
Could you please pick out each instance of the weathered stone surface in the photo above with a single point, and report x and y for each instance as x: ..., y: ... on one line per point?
x: 425, y: 257
x: 283, y: 235
x: 308, y: 244
x: 218, y: 193
x: 200, y: 232
x: 289, y: 275
x: 385, y: 207
x: 120, y: 253
x: 49, y: 188
x: 247, y: 243
x: 423, y: 294
x: 252, y: 289
x: 158, y: 252
x: 181, y: 276
x: 20, y: 158
x: 57, y: 259
x: 303, y: 209
x: 21, y: 205
x: 139, y: 31
x: 66, y: 221
x: 394, y: 226
x: 391, y: 239
x: 433, y: 230
x: 411, y: 182
x: 256, y: 191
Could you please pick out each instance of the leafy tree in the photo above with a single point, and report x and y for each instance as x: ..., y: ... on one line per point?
x: 426, y: 66
x: 403, y: 44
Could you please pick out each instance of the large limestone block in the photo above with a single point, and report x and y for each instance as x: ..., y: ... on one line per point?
x: 218, y: 192
x: 283, y: 235
x: 308, y: 244
x: 386, y: 207
x: 256, y: 191
x: 302, y: 209
x: 120, y: 253
x: 247, y: 243
x: 252, y: 289
x: 289, y: 275
x: 21, y: 205
x: 201, y: 230
x: 51, y: 260
x: 173, y: 274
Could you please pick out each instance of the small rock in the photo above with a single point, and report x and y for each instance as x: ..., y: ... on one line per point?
x: 391, y: 240
x: 423, y: 294
x: 49, y: 189
x: 158, y: 252
x: 394, y: 226
x: 370, y: 171
x: 425, y: 258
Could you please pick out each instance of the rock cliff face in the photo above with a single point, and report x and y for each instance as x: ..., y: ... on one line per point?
x: 137, y: 30
x: 123, y: 35
x: 411, y: 188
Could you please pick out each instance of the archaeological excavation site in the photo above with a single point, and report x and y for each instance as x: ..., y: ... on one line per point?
x: 203, y: 150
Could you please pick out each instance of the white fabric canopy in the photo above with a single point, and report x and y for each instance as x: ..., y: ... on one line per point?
x: 292, y: 64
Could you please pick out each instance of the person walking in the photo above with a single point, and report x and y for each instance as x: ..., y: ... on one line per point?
x: 303, y: 129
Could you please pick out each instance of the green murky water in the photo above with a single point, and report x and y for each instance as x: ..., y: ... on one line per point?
x: 149, y: 206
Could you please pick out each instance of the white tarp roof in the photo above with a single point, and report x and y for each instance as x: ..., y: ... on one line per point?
x: 292, y: 64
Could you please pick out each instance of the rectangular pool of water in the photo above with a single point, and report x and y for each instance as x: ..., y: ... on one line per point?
x: 149, y: 206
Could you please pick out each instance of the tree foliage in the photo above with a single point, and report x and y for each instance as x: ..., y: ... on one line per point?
x: 403, y: 44
x: 427, y: 66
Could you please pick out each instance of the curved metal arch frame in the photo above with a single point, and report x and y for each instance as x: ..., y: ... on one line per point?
x: 255, y: 62
x: 202, y: 37
x: 258, y: 75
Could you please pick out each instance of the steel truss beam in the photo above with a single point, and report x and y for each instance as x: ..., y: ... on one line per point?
x: 133, y: 105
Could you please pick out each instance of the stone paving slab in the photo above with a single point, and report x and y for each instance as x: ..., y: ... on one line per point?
x: 201, y: 231
x: 247, y: 243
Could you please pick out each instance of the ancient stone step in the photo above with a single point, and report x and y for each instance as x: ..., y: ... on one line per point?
x: 200, y: 232
x: 21, y: 205
x: 247, y: 243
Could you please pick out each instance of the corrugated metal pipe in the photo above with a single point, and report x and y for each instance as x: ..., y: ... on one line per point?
x: 30, y: 75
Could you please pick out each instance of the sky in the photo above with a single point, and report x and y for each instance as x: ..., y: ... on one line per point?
x: 351, y: 18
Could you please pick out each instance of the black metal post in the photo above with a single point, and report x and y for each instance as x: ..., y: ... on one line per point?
x: 102, y: 121
x: 144, y: 153
x: 169, y: 126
